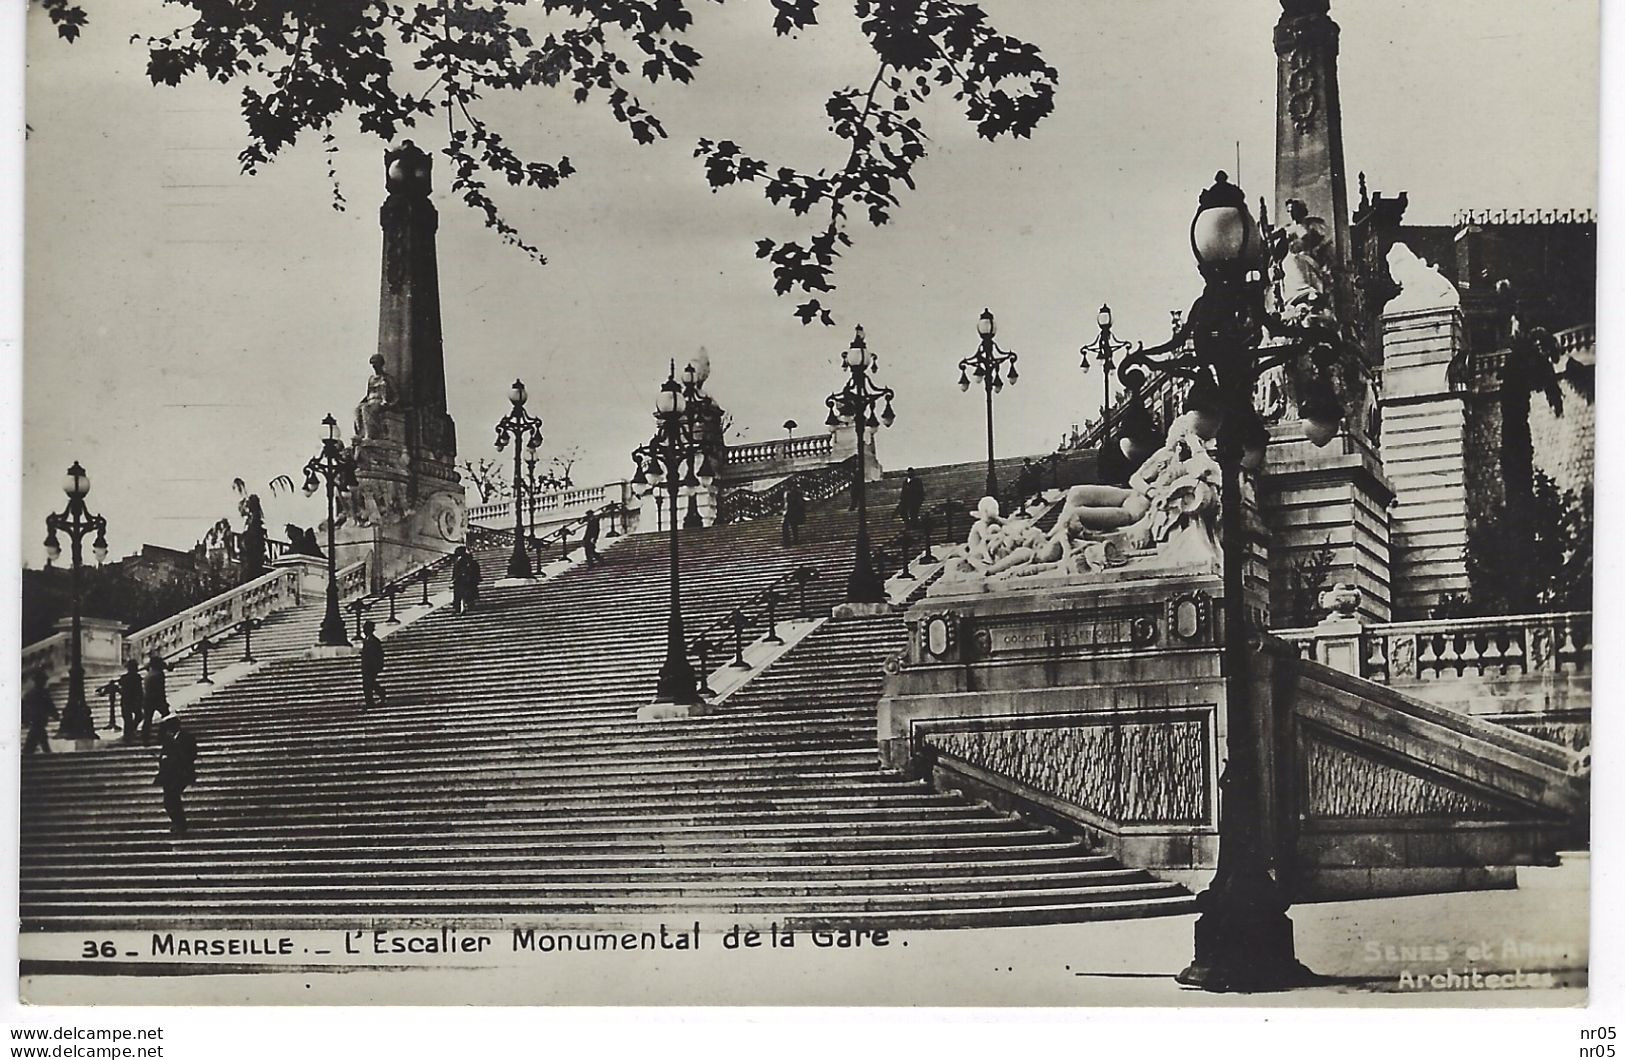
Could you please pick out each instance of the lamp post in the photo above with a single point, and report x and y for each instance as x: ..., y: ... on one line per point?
x: 77, y: 522
x: 519, y: 427
x: 675, y: 459
x: 534, y: 484
x: 1104, y: 348
x: 334, y: 466
x: 857, y: 400
x: 1243, y: 939
x: 988, y: 364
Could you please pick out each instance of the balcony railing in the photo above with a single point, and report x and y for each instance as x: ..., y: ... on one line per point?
x: 50, y: 655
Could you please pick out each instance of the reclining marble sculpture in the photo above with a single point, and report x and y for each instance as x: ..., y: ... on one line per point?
x: 1165, y: 519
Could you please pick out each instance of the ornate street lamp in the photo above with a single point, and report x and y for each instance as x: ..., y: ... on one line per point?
x: 988, y: 364
x: 519, y: 427
x: 334, y: 466
x: 535, y: 483
x: 673, y: 460
x: 1104, y: 348
x: 1243, y: 936
x: 77, y: 522
x: 856, y: 401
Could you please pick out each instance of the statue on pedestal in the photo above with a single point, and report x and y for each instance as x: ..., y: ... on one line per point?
x: 1305, y: 258
x: 370, y: 423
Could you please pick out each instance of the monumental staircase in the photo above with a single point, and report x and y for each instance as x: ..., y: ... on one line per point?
x: 508, y: 777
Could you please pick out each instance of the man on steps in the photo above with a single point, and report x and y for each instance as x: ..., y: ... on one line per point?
x: 38, y: 710
x: 177, y: 768
x: 372, y: 666
x: 465, y: 581
x: 129, y: 697
x: 795, y: 513
x: 589, y: 536
x: 912, y: 500
x: 154, y: 700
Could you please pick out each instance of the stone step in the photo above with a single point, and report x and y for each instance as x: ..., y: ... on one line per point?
x: 686, y: 898
x: 717, y: 842
x: 606, y: 866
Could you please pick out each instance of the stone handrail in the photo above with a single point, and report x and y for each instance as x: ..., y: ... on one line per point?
x: 256, y: 599
x: 550, y: 503
x: 1453, y: 648
x: 49, y: 655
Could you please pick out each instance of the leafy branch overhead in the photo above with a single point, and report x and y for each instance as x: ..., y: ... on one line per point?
x: 301, y: 65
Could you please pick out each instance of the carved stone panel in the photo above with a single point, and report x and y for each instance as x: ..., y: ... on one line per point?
x: 1128, y: 771
x: 1343, y: 783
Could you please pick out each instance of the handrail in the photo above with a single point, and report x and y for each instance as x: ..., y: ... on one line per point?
x: 820, y: 484
x: 704, y: 644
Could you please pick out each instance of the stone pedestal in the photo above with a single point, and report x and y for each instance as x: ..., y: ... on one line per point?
x: 1333, y: 498
x: 1096, y: 705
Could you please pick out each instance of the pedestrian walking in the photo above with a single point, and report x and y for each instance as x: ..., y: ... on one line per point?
x: 1028, y: 480
x: 912, y: 500
x: 130, y: 698
x: 465, y: 581
x: 177, y: 769
x: 795, y: 513
x: 38, y: 710
x: 589, y: 536
x: 372, y: 666
x: 154, y: 697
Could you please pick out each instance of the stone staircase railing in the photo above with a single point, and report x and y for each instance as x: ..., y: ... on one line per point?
x: 549, y: 505
x: 257, y: 599
x: 781, y: 449
x: 49, y: 655
x: 250, y: 602
x: 1456, y: 648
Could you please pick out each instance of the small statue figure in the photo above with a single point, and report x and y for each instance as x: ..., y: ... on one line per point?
x: 370, y: 424
x: 1303, y: 254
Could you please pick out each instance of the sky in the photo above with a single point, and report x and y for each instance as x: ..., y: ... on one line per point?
x: 186, y: 325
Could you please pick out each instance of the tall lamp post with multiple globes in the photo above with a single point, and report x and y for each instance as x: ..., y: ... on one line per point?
x: 1243, y: 936
x: 334, y: 466
x: 1104, y: 348
x: 990, y: 364
x: 856, y: 401
x: 77, y: 522
x: 525, y: 431
x: 673, y: 460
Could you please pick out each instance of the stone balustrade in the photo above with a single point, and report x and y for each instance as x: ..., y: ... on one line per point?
x: 549, y: 506
x: 50, y: 655
x: 1452, y: 649
x: 813, y: 445
x: 257, y: 599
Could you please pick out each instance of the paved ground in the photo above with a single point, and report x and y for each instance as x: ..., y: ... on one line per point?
x: 1411, y: 952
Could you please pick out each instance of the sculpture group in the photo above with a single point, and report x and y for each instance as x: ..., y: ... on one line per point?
x: 1169, y: 510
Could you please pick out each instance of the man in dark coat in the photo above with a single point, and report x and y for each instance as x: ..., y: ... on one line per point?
x: 465, y: 581
x: 177, y: 768
x: 372, y: 666
x: 154, y: 698
x: 38, y: 710
x: 795, y: 513
x: 130, y: 698
x: 912, y: 500
x: 589, y: 536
